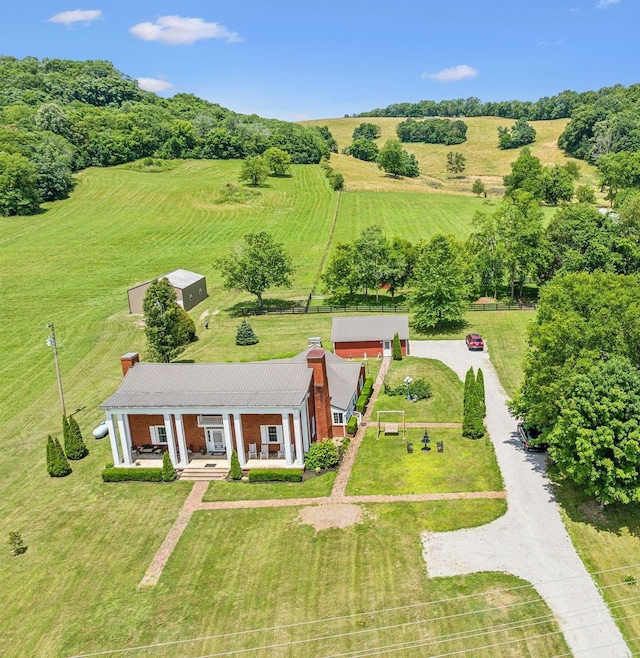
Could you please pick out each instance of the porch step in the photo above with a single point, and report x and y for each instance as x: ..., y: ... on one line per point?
x: 194, y: 473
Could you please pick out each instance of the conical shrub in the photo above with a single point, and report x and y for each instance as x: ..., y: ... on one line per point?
x: 59, y: 464
x: 245, y: 334
x: 74, y: 445
x: 168, y: 471
x: 480, y: 393
x: 236, y: 469
x: 396, y: 350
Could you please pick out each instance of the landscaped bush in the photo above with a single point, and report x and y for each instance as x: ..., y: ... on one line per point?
x: 275, y: 475
x: 245, y: 334
x: 168, y: 472
x: 345, y: 443
x: 132, y: 474
x: 74, y: 445
x: 420, y: 389
x: 236, y: 469
x: 367, y: 388
x: 57, y: 464
x: 352, y: 425
x: 396, y: 350
x: 361, y: 403
x: 480, y: 392
x: 323, y: 454
x: 473, y: 412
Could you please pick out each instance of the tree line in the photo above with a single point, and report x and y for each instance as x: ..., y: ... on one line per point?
x: 60, y: 116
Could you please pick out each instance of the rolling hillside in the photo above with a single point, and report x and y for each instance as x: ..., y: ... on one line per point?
x: 484, y: 159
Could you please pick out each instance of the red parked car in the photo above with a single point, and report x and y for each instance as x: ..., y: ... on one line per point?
x: 474, y: 342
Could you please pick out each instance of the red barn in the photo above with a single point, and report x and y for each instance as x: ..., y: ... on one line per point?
x: 371, y: 335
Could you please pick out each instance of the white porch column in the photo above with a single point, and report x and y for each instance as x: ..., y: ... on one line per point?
x: 115, y: 449
x: 237, y: 424
x: 228, y: 441
x: 125, y: 439
x: 297, y: 433
x: 305, y: 427
x: 182, y: 441
x: 171, y: 439
x: 286, y: 437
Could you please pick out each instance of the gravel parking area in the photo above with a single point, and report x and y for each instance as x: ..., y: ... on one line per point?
x: 530, y: 540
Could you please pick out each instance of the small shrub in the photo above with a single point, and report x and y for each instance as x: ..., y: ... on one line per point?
x: 345, y: 443
x: 16, y: 545
x: 236, y: 469
x: 352, y: 425
x: 419, y: 389
x: 230, y: 193
x: 245, y: 334
x: 275, y: 475
x: 168, y: 472
x: 132, y: 475
x: 323, y: 454
x: 396, y: 350
x: 57, y: 466
x: 74, y: 445
x: 336, y: 180
x: 361, y: 403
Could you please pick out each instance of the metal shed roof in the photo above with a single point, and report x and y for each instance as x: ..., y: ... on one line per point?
x: 182, y: 278
x: 370, y: 327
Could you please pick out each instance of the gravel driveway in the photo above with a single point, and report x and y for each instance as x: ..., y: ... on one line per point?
x: 530, y: 540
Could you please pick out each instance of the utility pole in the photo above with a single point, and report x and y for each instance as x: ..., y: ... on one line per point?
x: 51, y: 342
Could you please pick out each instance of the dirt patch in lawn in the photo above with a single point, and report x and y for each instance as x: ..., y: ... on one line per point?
x: 322, y: 517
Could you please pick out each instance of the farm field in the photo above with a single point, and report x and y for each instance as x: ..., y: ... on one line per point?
x: 89, y: 543
x: 484, y: 159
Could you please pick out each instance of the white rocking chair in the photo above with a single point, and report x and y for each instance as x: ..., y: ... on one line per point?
x: 264, y: 451
x: 253, y: 451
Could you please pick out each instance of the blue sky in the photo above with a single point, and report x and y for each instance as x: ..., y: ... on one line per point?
x: 303, y: 60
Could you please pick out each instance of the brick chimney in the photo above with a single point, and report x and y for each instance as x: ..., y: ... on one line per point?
x: 128, y: 360
x: 324, y: 420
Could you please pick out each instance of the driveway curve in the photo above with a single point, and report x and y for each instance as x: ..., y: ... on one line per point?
x: 530, y: 541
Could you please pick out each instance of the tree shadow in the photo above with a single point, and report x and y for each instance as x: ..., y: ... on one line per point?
x: 270, y: 305
x: 616, y: 518
x: 451, y: 328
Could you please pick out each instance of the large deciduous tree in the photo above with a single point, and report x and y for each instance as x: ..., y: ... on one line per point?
x: 19, y: 193
x: 163, y: 320
x: 372, y: 254
x: 254, y: 170
x: 456, y: 162
x: 596, y: 439
x: 440, y: 290
x: 367, y: 131
x: 581, y: 319
x: 258, y: 264
x: 394, y: 160
x: 278, y: 161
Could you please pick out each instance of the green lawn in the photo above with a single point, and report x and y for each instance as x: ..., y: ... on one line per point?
x: 311, y: 488
x: 383, y: 465
x: 608, y: 541
x: 246, y: 570
x: 445, y: 404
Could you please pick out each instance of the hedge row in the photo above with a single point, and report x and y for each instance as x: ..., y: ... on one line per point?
x: 126, y: 474
x: 352, y: 425
x: 279, y: 475
x: 361, y: 403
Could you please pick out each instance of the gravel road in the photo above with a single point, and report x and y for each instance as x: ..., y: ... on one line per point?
x: 530, y: 541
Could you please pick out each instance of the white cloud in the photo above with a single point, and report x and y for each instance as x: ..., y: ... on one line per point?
x: 154, y: 84
x: 76, y: 16
x: 603, y: 4
x: 181, y: 31
x: 453, y: 74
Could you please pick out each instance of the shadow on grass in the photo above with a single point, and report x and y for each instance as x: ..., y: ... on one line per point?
x: 616, y: 518
x: 445, y: 329
x: 270, y: 305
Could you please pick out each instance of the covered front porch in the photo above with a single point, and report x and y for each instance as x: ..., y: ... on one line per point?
x: 261, y: 438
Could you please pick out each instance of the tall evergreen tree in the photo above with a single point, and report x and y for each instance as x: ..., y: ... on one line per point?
x: 163, y: 321
x: 480, y: 392
x: 59, y: 466
x: 396, y: 349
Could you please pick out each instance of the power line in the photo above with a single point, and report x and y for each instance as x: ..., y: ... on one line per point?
x: 372, y: 612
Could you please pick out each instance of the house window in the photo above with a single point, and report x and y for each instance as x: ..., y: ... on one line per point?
x: 271, y: 433
x: 158, y: 434
x: 338, y: 418
x: 206, y: 421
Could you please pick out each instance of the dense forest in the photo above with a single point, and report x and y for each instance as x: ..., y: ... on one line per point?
x: 59, y: 116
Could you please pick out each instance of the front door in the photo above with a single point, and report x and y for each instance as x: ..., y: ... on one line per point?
x: 386, y: 348
x: 215, y: 439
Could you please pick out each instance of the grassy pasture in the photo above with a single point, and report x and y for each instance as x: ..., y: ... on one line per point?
x: 89, y: 543
x: 484, y: 159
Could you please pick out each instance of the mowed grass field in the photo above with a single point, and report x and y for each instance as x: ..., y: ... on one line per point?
x: 89, y: 544
x: 483, y: 157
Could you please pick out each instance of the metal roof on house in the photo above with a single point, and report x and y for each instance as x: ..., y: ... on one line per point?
x: 370, y: 327
x: 342, y: 376
x: 263, y: 384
